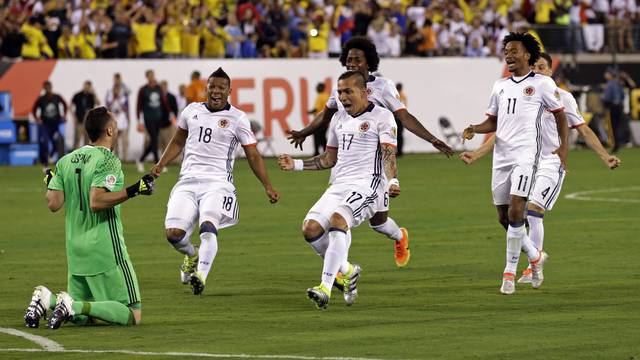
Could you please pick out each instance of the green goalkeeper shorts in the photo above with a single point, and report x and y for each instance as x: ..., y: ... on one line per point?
x: 118, y: 284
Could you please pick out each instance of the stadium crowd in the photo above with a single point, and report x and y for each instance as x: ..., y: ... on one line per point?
x: 88, y: 29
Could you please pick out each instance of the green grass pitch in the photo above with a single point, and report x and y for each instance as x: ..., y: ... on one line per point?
x: 445, y: 305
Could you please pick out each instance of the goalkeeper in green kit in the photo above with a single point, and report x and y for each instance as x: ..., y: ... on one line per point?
x: 102, y: 284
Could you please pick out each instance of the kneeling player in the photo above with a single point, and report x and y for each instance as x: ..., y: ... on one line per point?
x: 361, y: 151
x: 209, y: 132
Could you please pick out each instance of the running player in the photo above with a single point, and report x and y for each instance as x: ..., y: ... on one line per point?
x: 102, y: 283
x: 359, y: 54
x: 550, y: 175
x: 209, y: 132
x: 515, y: 113
x: 360, y: 150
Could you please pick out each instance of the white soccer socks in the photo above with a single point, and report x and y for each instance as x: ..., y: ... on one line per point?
x: 334, y: 257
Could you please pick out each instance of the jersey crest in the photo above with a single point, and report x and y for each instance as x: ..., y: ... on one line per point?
x: 529, y: 91
x: 223, y: 123
x: 364, y: 126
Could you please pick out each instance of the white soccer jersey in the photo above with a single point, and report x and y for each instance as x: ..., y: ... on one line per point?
x: 380, y: 91
x: 358, y: 142
x: 519, y: 105
x: 550, y: 138
x: 212, y: 141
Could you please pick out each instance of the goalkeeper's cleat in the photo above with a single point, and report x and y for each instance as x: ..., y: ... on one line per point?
x: 526, y: 276
x: 188, y: 267
x: 38, y: 306
x: 197, y: 283
x: 350, y: 282
x: 319, y: 295
x: 63, y: 311
x: 401, y: 247
x: 508, y: 284
x: 537, y: 277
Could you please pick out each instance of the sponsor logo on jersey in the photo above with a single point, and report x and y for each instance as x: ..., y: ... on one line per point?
x: 364, y: 126
x: 110, y: 181
x: 223, y: 123
x: 529, y: 91
x: 557, y: 94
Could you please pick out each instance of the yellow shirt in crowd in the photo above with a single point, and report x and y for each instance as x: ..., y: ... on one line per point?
x: 190, y: 44
x: 320, y: 42
x: 171, y: 40
x: 86, y: 45
x: 145, y: 35
x: 36, y: 45
x: 67, y: 48
x: 214, y: 42
x: 543, y: 11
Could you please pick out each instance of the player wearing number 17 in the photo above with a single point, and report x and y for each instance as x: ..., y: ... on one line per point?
x: 209, y: 132
x: 361, y: 150
x: 515, y: 113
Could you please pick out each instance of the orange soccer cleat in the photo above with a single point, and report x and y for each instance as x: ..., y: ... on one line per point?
x: 402, y: 253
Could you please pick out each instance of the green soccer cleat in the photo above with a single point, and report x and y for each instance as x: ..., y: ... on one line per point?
x: 188, y: 267
x: 63, y: 311
x: 197, y: 283
x: 319, y: 295
x: 38, y: 306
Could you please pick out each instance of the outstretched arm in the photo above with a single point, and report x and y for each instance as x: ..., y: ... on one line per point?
x: 323, y: 161
x: 487, y: 126
x: 172, y: 151
x: 390, y: 168
x: 469, y: 157
x: 594, y: 143
x: 257, y: 165
x: 412, y: 124
x: 323, y: 118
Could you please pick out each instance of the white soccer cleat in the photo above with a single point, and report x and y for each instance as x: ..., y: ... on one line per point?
x: 508, y: 284
x: 526, y: 276
x: 537, y: 277
x: 38, y: 306
x: 350, y: 292
x: 63, y: 311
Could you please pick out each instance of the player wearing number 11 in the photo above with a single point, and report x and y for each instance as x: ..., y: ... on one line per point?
x: 204, y: 195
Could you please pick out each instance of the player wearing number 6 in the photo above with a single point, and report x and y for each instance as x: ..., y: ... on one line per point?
x: 204, y: 195
x: 361, y: 150
x: 515, y: 113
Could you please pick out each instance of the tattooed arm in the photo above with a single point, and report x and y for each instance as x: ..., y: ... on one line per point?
x: 323, y: 161
x: 391, y: 168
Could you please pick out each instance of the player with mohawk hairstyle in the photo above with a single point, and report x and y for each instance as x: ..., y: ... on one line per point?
x: 209, y: 132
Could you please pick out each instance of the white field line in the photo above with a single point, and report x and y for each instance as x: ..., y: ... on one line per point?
x: 52, y: 346
x: 583, y: 195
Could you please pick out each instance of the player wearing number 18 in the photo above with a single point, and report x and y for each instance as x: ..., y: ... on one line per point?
x: 209, y: 132
x: 89, y: 184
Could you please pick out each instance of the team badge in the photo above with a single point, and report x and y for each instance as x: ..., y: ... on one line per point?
x: 394, y: 132
x: 557, y: 94
x: 364, y: 126
x: 223, y: 123
x: 110, y: 181
x: 529, y: 91
x: 368, y: 91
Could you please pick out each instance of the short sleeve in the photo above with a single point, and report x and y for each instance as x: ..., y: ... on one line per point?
x: 56, y: 182
x: 550, y: 95
x: 332, y: 103
x: 493, y: 107
x: 391, y: 97
x: 244, y: 133
x: 387, y: 129
x: 108, y: 174
x: 332, y: 136
x: 182, y: 119
x: 574, y: 117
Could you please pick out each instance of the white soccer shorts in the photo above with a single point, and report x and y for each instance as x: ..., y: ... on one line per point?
x: 514, y: 180
x: 203, y: 200
x: 548, y: 184
x: 355, y: 202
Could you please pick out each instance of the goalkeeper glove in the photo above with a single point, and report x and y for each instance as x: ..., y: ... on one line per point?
x: 143, y: 186
x: 48, y: 175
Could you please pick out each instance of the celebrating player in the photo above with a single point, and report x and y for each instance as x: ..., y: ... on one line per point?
x: 209, y: 132
x: 361, y: 150
x: 550, y: 175
x: 515, y: 113
x: 102, y: 283
x: 359, y: 54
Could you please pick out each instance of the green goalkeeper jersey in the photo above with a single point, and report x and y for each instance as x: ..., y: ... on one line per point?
x: 94, y: 239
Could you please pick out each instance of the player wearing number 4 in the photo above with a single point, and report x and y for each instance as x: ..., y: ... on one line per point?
x: 515, y: 113
x: 101, y: 281
x: 361, y: 151
x: 550, y: 175
x: 205, y: 195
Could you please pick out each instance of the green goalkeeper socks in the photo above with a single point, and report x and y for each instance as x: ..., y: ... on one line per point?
x: 109, y: 311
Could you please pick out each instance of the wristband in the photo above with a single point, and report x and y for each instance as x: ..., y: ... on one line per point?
x: 298, y: 165
x: 394, y: 181
x: 132, y: 190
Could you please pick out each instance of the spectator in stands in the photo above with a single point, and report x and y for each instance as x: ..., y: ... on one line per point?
x: 171, y: 38
x: 318, y: 35
x: 67, y: 44
x: 427, y: 45
x: 12, y: 37
x: 52, y: 33
x: 378, y: 33
x: 196, y: 90
x: 191, y: 35
x: 117, y: 101
x: 214, y: 37
x: 236, y: 37
x: 83, y: 101
x: 149, y: 107
x: 117, y: 38
x: 169, y: 115
x: 144, y: 31
x: 36, y: 47
x: 49, y: 110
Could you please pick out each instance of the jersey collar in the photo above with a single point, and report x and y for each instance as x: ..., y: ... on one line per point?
x: 368, y: 109
x: 371, y: 78
x: 530, y: 74
x: 225, y: 108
